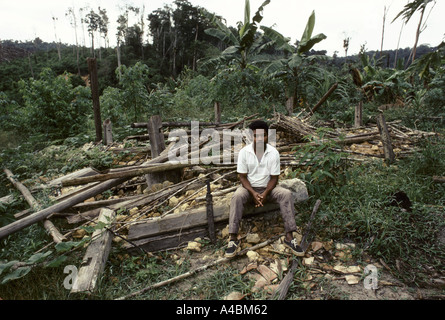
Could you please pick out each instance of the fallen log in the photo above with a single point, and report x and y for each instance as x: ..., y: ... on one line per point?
x: 33, y: 203
x: 43, y: 214
x: 96, y: 255
x: 127, y: 174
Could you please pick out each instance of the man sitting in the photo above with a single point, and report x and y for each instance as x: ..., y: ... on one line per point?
x: 258, y: 168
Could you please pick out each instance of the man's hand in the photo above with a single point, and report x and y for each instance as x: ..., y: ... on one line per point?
x: 258, y: 198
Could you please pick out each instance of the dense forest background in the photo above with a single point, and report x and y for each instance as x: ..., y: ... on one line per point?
x: 177, y: 61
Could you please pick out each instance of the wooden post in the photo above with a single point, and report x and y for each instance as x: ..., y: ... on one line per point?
x: 386, y: 139
x: 157, y: 143
x: 157, y: 146
x: 217, y: 107
x: 108, y: 134
x: 96, y: 255
x: 358, y: 119
x: 210, y: 217
x: 94, y: 83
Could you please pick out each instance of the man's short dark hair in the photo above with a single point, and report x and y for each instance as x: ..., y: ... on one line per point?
x: 259, y: 124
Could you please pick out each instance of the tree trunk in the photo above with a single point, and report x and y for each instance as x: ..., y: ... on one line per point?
x: 418, y: 34
x: 92, y: 68
x: 290, y: 104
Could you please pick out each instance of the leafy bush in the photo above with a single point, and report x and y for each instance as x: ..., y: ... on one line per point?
x: 52, y: 106
x: 129, y: 102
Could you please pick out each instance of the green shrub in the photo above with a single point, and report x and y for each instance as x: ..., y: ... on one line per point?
x: 52, y: 106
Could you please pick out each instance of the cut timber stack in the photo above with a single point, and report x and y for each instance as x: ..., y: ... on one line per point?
x: 174, y: 230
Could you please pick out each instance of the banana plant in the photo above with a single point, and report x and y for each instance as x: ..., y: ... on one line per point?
x: 295, y: 64
x: 245, y: 43
x: 424, y: 67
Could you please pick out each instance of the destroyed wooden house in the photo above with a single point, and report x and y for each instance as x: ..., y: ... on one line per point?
x: 159, y: 204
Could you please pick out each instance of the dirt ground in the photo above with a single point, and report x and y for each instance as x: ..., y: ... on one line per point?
x: 327, y: 270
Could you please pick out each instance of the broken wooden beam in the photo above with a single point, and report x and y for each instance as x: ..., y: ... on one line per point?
x: 304, y: 243
x: 23, y: 190
x: 96, y: 255
x: 108, y: 132
x: 43, y: 214
x: 325, y: 97
x: 358, y: 116
x: 34, y: 204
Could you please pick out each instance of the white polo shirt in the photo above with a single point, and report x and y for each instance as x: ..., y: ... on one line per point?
x: 259, y: 172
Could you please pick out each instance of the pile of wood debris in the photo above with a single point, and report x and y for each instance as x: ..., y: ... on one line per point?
x: 155, y: 204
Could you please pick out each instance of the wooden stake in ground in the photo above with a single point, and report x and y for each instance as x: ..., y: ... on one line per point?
x: 358, y: 118
x: 96, y: 256
x: 386, y: 139
x: 108, y: 132
x: 210, y: 218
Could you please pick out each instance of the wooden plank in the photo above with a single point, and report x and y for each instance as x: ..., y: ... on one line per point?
x: 157, y: 143
x: 96, y: 255
x: 187, y: 220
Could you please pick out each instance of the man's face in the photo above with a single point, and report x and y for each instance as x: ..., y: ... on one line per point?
x: 260, y: 137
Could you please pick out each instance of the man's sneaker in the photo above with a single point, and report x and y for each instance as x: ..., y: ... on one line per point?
x: 232, y: 248
x: 294, y: 247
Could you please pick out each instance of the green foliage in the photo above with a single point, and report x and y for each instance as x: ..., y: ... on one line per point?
x: 241, y: 45
x: 129, y: 103
x: 52, y: 106
x: 321, y: 168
